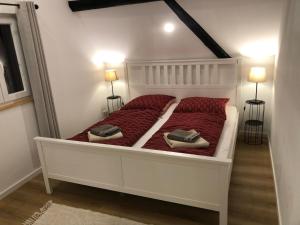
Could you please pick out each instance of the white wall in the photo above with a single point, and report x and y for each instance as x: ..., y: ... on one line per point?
x: 72, y: 39
x: 78, y: 87
x: 18, y: 154
x: 285, y: 139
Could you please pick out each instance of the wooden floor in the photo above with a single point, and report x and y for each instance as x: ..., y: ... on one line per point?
x: 252, y: 198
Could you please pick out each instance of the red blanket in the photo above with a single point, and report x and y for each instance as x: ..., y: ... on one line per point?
x: 209, y: 126
x: 133, y: 123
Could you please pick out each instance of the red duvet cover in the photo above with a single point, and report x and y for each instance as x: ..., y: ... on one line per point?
x: 133, y: 123
x: 210, y: 127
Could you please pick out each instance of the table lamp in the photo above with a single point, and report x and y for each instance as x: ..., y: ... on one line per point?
x: 111, y: 75
x: 257, y: 75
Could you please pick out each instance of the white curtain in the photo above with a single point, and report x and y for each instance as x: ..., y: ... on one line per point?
x: 37, y: 70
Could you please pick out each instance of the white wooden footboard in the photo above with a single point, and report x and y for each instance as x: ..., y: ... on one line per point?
x: 180, y: 178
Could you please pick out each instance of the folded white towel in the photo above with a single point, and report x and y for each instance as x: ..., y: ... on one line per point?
x: 95, y: 138
x: 200, y: 143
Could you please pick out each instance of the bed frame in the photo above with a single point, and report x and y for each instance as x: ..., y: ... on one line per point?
x: 186, y: 179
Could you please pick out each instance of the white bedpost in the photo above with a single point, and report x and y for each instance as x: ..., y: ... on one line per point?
x: 223, y: 212
x: 44, y: 168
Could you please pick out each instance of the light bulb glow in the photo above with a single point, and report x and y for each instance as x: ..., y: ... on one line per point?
x: 260, y: 49
x: 169, y: 27
x: 108, y: 57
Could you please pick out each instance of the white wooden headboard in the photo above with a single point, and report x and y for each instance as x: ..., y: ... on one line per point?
x: 184, y: 78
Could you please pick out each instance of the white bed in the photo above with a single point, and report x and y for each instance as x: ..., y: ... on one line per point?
x: 192, y: 180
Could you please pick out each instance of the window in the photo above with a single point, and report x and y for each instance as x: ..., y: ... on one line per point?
x: 13, y: 73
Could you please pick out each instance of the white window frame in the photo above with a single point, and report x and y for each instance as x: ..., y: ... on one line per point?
x: 6, y: 97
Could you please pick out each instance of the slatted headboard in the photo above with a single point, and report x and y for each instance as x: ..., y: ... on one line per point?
x: 184, y: 78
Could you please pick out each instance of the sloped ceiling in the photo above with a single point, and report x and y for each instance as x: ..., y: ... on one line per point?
x: 239, y: 24
x: 137, y: 30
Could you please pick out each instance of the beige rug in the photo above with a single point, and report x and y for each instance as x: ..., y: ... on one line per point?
x: 55, y: 214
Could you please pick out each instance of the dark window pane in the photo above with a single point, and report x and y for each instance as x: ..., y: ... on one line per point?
x: 9, y: 60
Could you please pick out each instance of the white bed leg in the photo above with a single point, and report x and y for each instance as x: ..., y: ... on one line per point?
x: 49, y: 190
x: 223, y: 217
x: 223, y: 214
x: 44, y: 168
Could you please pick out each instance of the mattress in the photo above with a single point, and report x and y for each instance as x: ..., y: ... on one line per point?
x: 225, y: 140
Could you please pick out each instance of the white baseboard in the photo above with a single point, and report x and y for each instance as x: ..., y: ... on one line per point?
x: 19, y: 183
x: 276, y: 186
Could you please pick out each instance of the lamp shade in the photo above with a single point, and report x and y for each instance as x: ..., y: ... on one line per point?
x: 111, y: 75
x: 257, y: 75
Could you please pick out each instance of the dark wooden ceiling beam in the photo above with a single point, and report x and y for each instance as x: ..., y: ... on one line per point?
x: 97, y: 4
x: 207, y: 40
